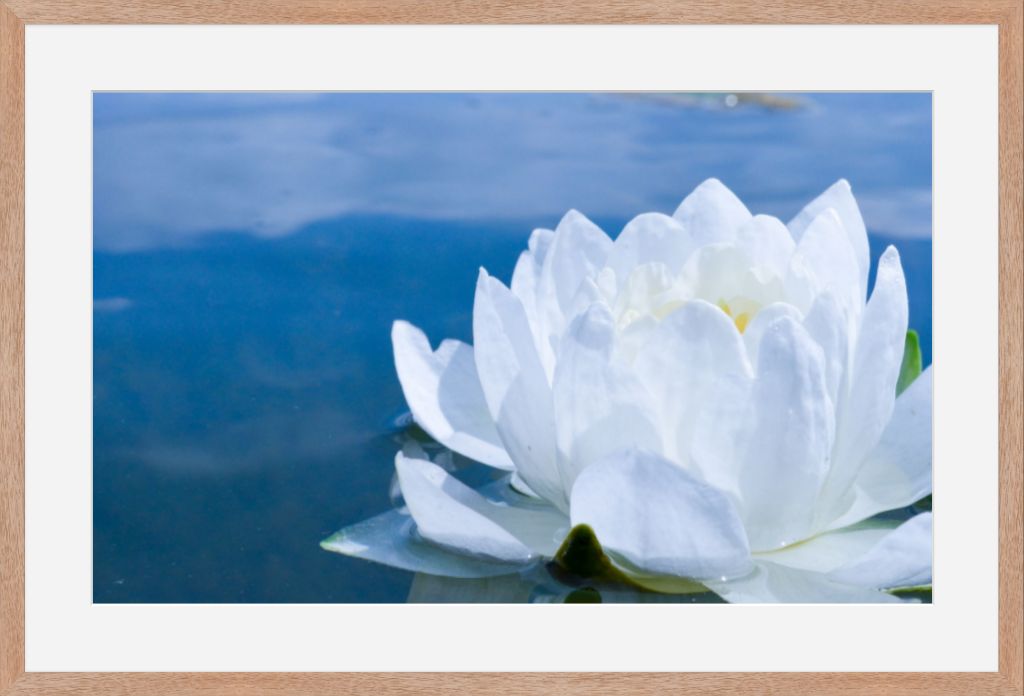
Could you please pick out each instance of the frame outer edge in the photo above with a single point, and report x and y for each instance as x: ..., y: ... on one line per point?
x: 1011, y: 348
x: 1010, y: 17
x: 511, y: 12
x: 12, y: 347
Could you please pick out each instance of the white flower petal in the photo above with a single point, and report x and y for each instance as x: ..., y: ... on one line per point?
x: 534, y: 521
x: 868, y: 406
x: 454, y: 516
x: 903, y: 558
x: 722, y: 274
x: 712, y: 213
x: 767, y: 243
x: 825, y: 256
x: 444, y: 394
x: 648, y: 238
x: 840, y: 198
x: 389, y: 539
x: 898, y: 472
x: 718, y: 449
x: 762, y: 320
x: 649, y: 290
x: 525, y: 285
x: 652, y: 516
x: 828, y: 551
x: 686, y: 365
x: 539, y: 244
x: 828, y: 323
x: 526, y: 275
x: 587, y: 294
x: 601, y: 407
x: 634, y: 337
x: 578, y: 251
x: 787, y: 439
x: 515, y: 387
x: 771, y: 582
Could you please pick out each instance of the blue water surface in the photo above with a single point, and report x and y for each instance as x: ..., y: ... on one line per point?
x: 252, y: 251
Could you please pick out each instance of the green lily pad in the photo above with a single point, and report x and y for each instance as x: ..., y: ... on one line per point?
x: 911, y: 366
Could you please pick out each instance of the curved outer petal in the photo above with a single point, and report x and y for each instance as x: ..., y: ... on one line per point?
x: 903, y: 558
x: 840, y: 198
x: 515, y: 387
x: 828, y: 323
x: 578, y: 251
x: 455, y: 517
x: 767, y: 243
x: 444, y: 394
x: 685, y: 365
x: 828, y: 551
x: 601, y: 407
x: 648, y: 238
x: 771, y: 582
x: 525, y: 286
x: 654, y: 517
x: 530, y: 263
x: 898, y: 472
x: 712, y: 213
x: 825, y: 261
x: 868, y: 406
x: 389, y: 539
x: 786, y: 440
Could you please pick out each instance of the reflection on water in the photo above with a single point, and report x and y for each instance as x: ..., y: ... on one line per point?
x: 245, y: 401
x: 538, y: 585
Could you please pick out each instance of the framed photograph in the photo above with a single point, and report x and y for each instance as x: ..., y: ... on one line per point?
x: 343, y: 347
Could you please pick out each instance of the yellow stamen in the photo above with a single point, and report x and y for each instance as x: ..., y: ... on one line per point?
x: 741, y: 320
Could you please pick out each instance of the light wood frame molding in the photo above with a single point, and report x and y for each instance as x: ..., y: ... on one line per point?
x: 16, y: 14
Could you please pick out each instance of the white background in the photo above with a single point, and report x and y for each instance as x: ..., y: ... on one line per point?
x: 65, y: 631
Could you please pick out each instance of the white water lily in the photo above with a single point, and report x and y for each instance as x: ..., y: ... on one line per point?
x: 712, y: 393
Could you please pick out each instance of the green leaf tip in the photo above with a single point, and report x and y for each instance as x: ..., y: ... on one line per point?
x: 326, y: 544
x: 581, y: 553
x: 922, y: 593
x: 911, y: 366
x: 584, y: 595
x: 581, y: 557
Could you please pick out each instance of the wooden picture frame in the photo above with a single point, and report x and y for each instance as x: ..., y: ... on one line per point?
x: 16, y: 14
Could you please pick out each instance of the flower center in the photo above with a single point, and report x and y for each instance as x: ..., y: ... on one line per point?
x: 740, y: 309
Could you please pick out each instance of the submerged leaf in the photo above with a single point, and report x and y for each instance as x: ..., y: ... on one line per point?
x: 911, y: 366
